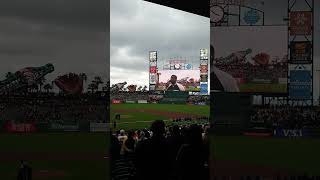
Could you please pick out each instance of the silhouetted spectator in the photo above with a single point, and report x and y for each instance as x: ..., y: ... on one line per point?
x: 129, y: 143
x: 115, y: 149
x: 175, y: 140
x: 25, y: 172
x: 191, y: 157
x: 152, y: 155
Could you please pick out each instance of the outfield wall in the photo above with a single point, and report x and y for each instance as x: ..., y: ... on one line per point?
x: 54, y: 127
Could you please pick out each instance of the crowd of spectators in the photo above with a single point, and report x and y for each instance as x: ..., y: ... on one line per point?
x: 52, y: 109
x: 187, y: 120
x: 249, y: 72
x: 129, y: 96
x: 155, y: 98
x: 205, y: 100
x: 286, y: 116
x: 161, y: 153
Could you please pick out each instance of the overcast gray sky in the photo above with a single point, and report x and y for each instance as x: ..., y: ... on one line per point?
x: 138, y: 27
x: 69, y: 34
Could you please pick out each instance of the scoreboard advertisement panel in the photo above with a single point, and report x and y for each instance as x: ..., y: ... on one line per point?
x: 300, y: 51
x: 300, y: 23
x: 300, y: 84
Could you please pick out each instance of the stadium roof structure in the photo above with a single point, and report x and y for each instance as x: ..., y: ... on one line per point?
x: 199, y: 7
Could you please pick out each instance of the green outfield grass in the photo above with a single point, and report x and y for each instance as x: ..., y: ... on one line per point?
x: 80, y: 170
x: 56, y: 143
x: 139, y: 120
x: 298, y: 155
x: 194, y: 109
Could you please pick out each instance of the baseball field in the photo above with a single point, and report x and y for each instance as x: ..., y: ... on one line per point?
x: 232, y: 155
x: 264, y: 156
x: 52, y: 156
x: 83, y: 156
x: 139, y: 116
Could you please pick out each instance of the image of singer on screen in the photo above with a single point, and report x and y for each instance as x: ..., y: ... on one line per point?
x: 173, y: 85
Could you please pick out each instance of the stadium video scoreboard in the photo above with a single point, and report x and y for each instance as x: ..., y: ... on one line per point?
x: 188, y: 78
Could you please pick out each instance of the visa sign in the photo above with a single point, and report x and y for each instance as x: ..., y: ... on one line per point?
x: 288, y: 133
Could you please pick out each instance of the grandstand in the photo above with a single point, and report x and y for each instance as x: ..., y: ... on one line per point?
x: 141, y: 145
x: 125, y: 96
x: 155, y: 127
x: 47, y: 121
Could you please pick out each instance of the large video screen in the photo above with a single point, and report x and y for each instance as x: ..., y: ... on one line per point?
x: 179, y: 80
x: 249, y: 59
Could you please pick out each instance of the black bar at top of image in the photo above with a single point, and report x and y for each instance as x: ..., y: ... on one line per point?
x: 199, y: 7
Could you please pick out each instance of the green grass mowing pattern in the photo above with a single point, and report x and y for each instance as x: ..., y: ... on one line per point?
x: 252, y: 87
x: 183, y: 108
x: 80, y: 170
x: 138, y: 116
x: 54, y: 142
x: 140, y: 120
x: 301, y: 155
x: 136, y: 120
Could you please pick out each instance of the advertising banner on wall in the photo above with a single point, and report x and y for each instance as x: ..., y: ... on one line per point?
x: 300, y: 51
x: 300, y: 84
x: 20, y: 127
x: 142, y: 102
x: 64, y: 127
x: 116, y: 101
x: 289, y: 133
x: 130, y: 102
x: 300, y: 23
x: 99, y: 127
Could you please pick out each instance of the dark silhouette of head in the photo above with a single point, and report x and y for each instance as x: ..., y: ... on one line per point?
x: 130, y: 134
x: 194, y: 135
x: 158, y: 128
x: 173, y: 79
x: 175, y: 130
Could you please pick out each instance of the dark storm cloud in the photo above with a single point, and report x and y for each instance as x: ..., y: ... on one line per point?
x: 71, y: 34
